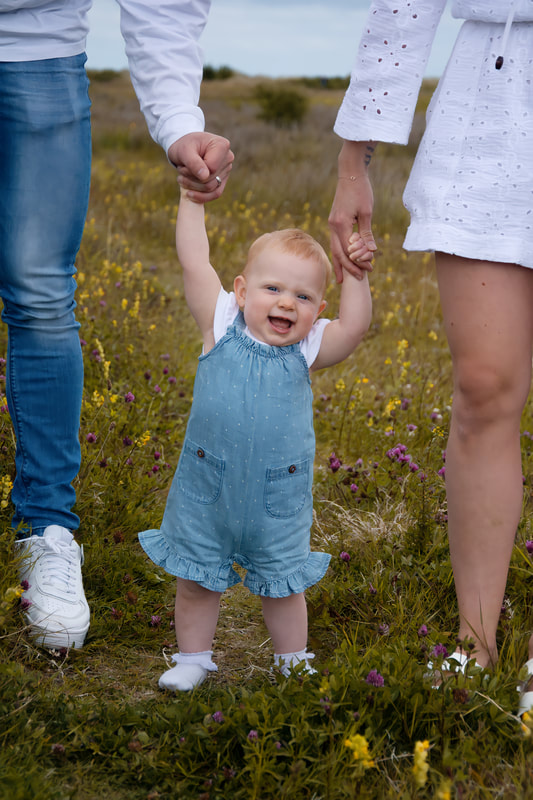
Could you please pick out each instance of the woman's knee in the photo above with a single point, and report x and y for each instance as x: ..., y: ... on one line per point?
x: 486, y: 394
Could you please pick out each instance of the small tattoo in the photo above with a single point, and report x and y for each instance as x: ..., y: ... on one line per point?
x: 368, y: 155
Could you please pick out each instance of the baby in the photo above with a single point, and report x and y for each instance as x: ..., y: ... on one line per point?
x: 242, y: 492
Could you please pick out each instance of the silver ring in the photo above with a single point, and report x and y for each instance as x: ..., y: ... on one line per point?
x: 218, y: 180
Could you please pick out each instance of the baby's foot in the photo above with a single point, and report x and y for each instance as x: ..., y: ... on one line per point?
x: 183, y: 677
x: 286, y: 662
x: 190, y: 671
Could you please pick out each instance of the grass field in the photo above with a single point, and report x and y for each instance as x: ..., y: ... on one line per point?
x: 93, y: 723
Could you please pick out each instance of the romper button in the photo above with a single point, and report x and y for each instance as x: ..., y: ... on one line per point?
x: 292, y: 468
x: 200, y: 453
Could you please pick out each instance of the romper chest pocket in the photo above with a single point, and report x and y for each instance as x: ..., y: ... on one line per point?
x: 200, y: 473
x: 287, y: 488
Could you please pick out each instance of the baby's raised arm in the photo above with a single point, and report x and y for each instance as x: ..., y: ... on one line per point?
x: 201, y: 282
x: 343, y: 334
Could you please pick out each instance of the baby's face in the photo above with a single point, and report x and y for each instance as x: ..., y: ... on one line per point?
x: 281, y: 296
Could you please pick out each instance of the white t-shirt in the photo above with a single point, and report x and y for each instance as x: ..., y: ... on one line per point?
x: 227, y: 309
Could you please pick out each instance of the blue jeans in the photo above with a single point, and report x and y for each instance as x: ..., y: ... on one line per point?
x: 45, y: 163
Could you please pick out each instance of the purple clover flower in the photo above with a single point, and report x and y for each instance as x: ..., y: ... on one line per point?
x: 91, y: 437
x: 25, y: 585
x: 129, y: 397
x: 155, y: 621
x: 218, y: 716
x: 345, y: 556
x: 334, y: 463
x: 375, y: 679
x: 439, y: 651
x: 253, y: 736
x: 423, y: 631
x: 529, y: 546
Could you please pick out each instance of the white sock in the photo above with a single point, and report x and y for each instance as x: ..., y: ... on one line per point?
x: 190, y: 670
x: 287, y: 661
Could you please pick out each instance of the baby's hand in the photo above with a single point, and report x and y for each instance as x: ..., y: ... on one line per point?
x: 358, y: 250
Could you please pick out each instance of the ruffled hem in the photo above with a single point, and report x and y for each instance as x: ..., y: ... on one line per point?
x: 307, y: 574
x: 155, y: 546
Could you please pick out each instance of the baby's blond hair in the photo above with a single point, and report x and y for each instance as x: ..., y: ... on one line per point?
x: 293, y: 241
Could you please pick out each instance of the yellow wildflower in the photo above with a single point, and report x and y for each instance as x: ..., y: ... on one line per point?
x: 402, y: 346
x: 340, y: 386
x: 444, y: 791
x: 134, y: 310
x: 393, y: 403
x: 143, y: 440
x: 13, y: 593
x: 359, y: 746
x: 420, y: 765
x: 433, y: 335
x: 6, y: 484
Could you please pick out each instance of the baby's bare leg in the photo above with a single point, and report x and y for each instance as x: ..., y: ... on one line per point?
x: 195, y: 621
x: 196, y: 616
x: 286, y: 620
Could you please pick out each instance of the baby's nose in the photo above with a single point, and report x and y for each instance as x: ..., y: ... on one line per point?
x: 286, y: 300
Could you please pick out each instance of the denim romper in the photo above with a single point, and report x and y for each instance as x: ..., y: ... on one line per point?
x: 242, y: 491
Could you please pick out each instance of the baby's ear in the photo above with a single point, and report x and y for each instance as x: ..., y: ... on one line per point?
x: 321, y: 307
x: 239, y: 287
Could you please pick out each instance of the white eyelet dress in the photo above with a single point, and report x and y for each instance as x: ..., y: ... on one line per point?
x: 470, y: 191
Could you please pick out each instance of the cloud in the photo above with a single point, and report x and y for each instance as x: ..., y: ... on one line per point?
x: 277, y: 38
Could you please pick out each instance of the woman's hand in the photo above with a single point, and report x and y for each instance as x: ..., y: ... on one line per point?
x: 352, y: 206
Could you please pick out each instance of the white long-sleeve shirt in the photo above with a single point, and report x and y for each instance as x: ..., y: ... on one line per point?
x: 161, y: 36
x: 380, y: 102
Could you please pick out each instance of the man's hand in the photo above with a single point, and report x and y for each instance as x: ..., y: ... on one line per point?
x: 204, y: 161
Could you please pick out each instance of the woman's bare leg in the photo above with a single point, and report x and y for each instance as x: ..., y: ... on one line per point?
x: 488, y: 316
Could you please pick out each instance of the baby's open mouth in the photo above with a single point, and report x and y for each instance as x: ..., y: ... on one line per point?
x: 280, y: 323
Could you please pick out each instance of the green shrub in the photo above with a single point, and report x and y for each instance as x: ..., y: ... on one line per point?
x: 221, y: 74
x: 283, y: 107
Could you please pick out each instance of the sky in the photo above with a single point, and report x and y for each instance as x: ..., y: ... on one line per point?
x: 272, y: 38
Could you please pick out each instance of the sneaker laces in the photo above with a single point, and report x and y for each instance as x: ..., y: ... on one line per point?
x: 58, y: 562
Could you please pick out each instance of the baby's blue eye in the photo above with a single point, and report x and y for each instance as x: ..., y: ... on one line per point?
x: 272, y: 288
x: 303, y: 297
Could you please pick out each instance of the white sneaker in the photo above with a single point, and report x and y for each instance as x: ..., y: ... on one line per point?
x: 58, y: 613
